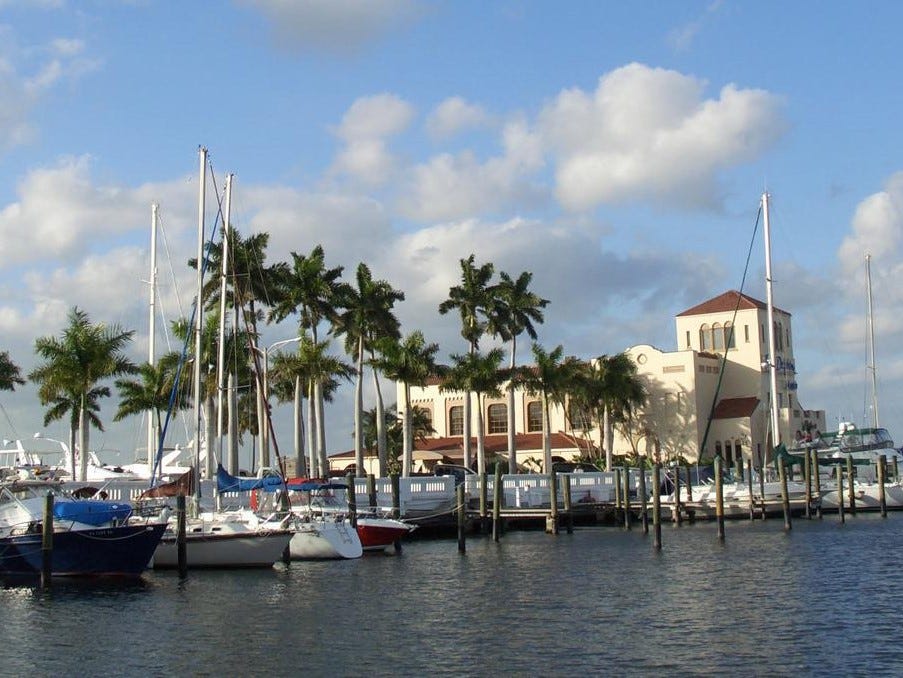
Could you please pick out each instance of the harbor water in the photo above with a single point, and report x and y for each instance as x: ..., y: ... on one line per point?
x: 822, y: 599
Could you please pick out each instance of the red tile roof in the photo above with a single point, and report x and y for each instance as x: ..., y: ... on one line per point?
x: 733, y: 408
x: 726, y: 302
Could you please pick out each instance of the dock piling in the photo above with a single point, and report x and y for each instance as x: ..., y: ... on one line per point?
x: 656, y: 506
x: 351, y: 494
x: 719, y: 497
x: 568, y: 507
x: 840, y: 492
x: 785, y: 498
x: 47, y: 542
x: 850, y: 481
x: 627, y: 497
x: 644, y: 505
x: 181, y: 545
x: 497, y: 504
x: 462, y: 518
x: 882, y: 494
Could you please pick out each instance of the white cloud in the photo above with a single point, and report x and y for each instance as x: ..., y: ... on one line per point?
x: 877, y: 228
x: 682, y: 37
x: 364, y: 128
x: 334, y: 25
x: 453, y: 115
x: 648, y: 134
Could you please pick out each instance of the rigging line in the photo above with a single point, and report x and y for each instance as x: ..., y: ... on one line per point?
x: 729, y: 338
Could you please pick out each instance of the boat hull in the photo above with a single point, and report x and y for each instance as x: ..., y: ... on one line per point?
x: 123, y: 550
x: 324, y: 540
x: 377, y: 534
x: 249, y: 549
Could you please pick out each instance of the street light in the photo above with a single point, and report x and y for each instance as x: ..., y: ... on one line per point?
x: 263, y: 424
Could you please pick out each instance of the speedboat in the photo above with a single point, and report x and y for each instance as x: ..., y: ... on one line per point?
x: 90, y: 537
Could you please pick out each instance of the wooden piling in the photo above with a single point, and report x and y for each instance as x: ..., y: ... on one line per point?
x: 676, y: 518
x: 462, y: 519
x: 689, y: 484
x: 47, y: 541
x: 627, y: 497
x: 656, y: 506
x: 568, y: 507
x: 617, y: 490
x: 816, y: 477
x: 396, y: 495
x: 762, y: 490
x: 882, y: 495
x: 850, y: 481
x: 497, y: 504
x: 371, y: 490
x: 749, y: 488
x: 895, y: 469
x: 351, y: 494
x: 484, y: 500
x: 785, y: 498
x: 181, y: 544
x: 719, y: 498
x: 552, y: 524
x: 807, y: 478
x: 740, y: 469
x: 840, y: 492
x: 644, y: 504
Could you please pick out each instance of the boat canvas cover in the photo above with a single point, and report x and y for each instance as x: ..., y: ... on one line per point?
x: 183, y: 485
x: 92, y: 512
x: 226, y: 482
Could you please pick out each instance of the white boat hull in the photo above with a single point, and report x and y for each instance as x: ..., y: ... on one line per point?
x: 324, y: 540
x: 224, y: 550
x: 867, y: 496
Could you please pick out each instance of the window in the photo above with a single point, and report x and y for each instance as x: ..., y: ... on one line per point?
x: 456, y: 420
x: 498, y: 418
x: 705, y: 338
x: 718, y: 337
x: 728, y: 455
x: 787, y: 335
x: 762, y: 332
x: 534, y: 416
x: 688, y: 338
x: 578, y: 417
x: 746, y: 333
x: 729, y: 339
x: 422, y: 418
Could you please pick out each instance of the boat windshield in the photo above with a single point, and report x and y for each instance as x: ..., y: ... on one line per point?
x: 865, y: 439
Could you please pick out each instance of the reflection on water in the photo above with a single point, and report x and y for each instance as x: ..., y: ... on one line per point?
x: 822, y: 599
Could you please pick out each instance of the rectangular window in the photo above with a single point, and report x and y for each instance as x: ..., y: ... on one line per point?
x: 671, y: 369
x: 762, y: 332
x: 456, y: 420
x: 746, y: 333
x: 498, y: 418
x: 534, y: 416
x: 688, y: 338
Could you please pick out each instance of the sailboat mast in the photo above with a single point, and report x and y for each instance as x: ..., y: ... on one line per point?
x: 151, y: 335
x: 772, y: 354
x: 221, y: 353
x: 871, y: 324
x: 199, y: 318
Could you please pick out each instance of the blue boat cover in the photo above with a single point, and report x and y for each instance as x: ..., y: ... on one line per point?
x: 92, y: 512
x: 226, y: 482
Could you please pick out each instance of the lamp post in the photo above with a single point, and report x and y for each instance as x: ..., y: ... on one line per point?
x: 264, y: 397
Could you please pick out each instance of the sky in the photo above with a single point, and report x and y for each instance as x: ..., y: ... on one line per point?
x: 618, y: 151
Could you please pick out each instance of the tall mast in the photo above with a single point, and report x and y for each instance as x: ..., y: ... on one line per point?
x: 199, y: 319
x: 871, y: 323
x: 151, y: 335
x: 221, y: 354
x: 772, y: 354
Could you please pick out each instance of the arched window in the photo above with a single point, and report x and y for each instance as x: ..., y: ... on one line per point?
x: 456, y: 420
x: 728, y: 455
x: 534, y: 416
x: 729, y: 339
x: 718, y: 337
x: 705, y: 338
x: 578, y: 417
x: 498, y: 418
x: 718, y: 449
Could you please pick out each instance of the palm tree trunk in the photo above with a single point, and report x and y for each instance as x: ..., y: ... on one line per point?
x: 83, y: 441
x: 232, y: 422
x: 72, y: 463
x: 546, y: 437
x: 407, y: 435
x: 481, y: 443
x: 359, y: 411
x: 467, y: 459
x: 300, y: 469
x: 209, y: 437
x: 321, y: 432
x: 311, y: 438
x: 512, y: 451
x: 382, y: 442
x: 608, y: 432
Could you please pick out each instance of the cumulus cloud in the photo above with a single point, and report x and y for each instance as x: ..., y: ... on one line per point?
x: 454, y: 186
x: 877, y: 228
x: 334, y: 26
x: 454, y: 115
x: 364, y: 129
x: 648, y: 134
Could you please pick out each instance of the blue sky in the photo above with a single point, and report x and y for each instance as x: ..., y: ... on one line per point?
x: 616, y: 150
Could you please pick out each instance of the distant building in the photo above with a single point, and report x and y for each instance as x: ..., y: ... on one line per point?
x: 722, y: 348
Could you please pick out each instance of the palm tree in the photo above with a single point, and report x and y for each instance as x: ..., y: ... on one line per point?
x: 323, y: 373
x: 152, y: 392
x: 74, y: 364
x: 551, y: 377
x: 410, y: 362
x: 516, y: 309
x: 479, y: 374
x: 473, y: 299
x: 621, y: 391
x: 9, y: 373
x: 310, y: 289
x: 367, y: 316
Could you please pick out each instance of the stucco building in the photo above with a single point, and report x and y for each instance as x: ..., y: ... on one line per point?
x: 709, y: 396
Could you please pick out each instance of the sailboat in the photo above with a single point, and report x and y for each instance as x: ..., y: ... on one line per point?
x: 216, y: 539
